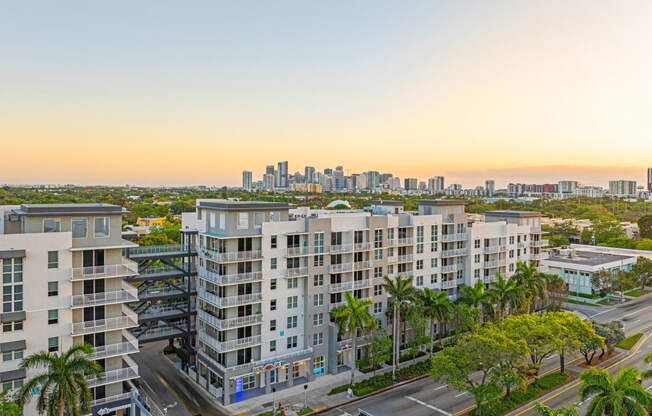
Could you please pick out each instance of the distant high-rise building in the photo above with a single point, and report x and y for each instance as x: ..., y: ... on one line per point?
x: 622, y: 188
x: 246, y: 180
x: 410, y: 184
x: 436, y: 184
x: 649, y: 179
x: 373, y: 179
x: 268, y: 181
x: 269, y: 169
x: 567, y: 187
x: 328, y: 171
x: 422, y: 186
x: 308, y: 173
x: 282, y: 175
x: 385, y: 178
x: 489, y: 187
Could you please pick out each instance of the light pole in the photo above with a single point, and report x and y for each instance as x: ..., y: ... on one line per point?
x: 305, y: 396
x: 274, y: 400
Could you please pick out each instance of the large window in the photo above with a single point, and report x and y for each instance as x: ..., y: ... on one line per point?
x: 53, y: 289
x: 51, y: 225
x: 12, y: 284
x: 318, y: 338
x: 53, y: 317
x: 292, y: 302
x: 53, y: 344
x: 292, y: 322
x: 53, y: 259
x: 292, y: 342
x: 243, y: 220
x: 318, y: 243
x: 101, y: 227
x: 79, y: 227
x: 318, y: 365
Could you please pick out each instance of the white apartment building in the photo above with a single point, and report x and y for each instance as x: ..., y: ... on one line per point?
x: 62, y: 284
x: 268, y: 279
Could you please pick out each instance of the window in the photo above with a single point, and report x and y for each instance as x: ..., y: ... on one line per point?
x: 53, y: 317
x: 318, y: 280
x: 419, y: 264
x: 272, y: 284
x: 433, y: 247
x: 319, y: 243
x: 378, y: 290
x: 102, y: 227
x: 390, y: 269
x: 378, y: 272
x: 272, y: 325
x: 292, y: 302
x: 53, y: 344
x: 390, y: 234
x: 419, y: 280
x: 51, y: 225
x: 419, y: 248
x: 272, y: 305
x: 12, y: 288
x: 243, y: 220
x: 511, y: 267
x: 53, y: 289
x: 272, y: 345
x: 319, y: 260
x: 433, y: 233
x: 222, y: 221
x: 378, y: 307
x: 476, y: 273
x: 378, y: 254
x: 511, y: 254
x: 420, y: 234
x: 318, y: 299
x: 53, y: 259
x: 79, y: 227
x: 12, y: 385
x: 274, y: 242
x: 12, y: 355
x: 292, y: 322
x: 317, y: 319
x: 318, y: 338
x: 433, y: 279
x: 511, y: 239
x: 318, y: 365
x: 292, y: 342
x: 378, y: 238
x: 476, y: 259
x: 476, y: 243
x: 292, y: 283
x: 12, y: 326
x: 433, y: 262
x: 259, y: 217
x: 273, y: 263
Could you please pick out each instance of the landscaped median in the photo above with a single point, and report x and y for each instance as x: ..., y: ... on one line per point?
x: 382, y: 381
x: 628, y: 343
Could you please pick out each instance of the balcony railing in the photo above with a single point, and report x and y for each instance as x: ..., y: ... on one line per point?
x: 222, y: 324
x: 335, y: 305
x: 340, y: 287
x: 231, y: 256
x: 495, y: 263
x: 127, y: 294
x: 453, y: 237
x: 405, y: 258
x: 362, y: 246
x: 162, y: 249
x: 230, y: 279
x: 130, y: 346
x: 341, y: 248
x: 231, y: 345
x: 539, y: 243
x: 494, y: 249
x: 296, y: 251
x: 126, y: 268
x: 405, y: 241
x: 454, y: 252
x: 219, y: 302
x: 522, y: 244
x: 115, y: 376
x: 448, y: 284
x: 156, y: 291
x: 451, y: 268
x: 540, y: 256
x: 363, y: 284
x: 340, y: 268
x: 297, y: 271
x: 361, y: 265
x: 129, y: 319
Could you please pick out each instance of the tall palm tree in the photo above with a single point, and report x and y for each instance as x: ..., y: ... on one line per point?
x: 352, y: 318
x: 619, y: 396
x: 533, y: 281
x: 506, y: 293
x: 478, y: 297
x: 438, y: 308
x: 543, y: 410
x: 401, y: 291
x: 648, y: 361
x: 64, y: 386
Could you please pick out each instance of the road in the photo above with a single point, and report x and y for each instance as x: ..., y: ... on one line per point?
x: 425, y: 397
x: 166, y: 386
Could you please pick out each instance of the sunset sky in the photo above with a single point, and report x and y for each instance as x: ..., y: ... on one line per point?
x: 167, y: 93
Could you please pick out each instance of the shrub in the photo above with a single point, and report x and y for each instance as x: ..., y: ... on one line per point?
x: 169, y: 349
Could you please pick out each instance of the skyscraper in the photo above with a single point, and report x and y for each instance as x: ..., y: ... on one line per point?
x: 308, y: 173
x: 282, y: 174
x: 649, y: 179
x: 489, y: 187
x: 246, y: 180
x: 436, y: 184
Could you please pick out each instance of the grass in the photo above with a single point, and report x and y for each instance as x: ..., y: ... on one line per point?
x: 304, y: 411
x: 300, y: 412
x: 628, y: 343
x: 381, y: 381
x: 584, y: 295
x: 502, y: 405
x: 637, y: 292
x: 579, y: 302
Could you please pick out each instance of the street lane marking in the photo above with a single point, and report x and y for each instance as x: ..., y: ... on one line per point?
x: 461, y: 394
x: 429, y: 406
x: 343, y: 412
x: 438, y: 388
x: 635, y: 312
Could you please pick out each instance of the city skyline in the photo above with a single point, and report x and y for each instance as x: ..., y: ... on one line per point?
x: 434, y: 88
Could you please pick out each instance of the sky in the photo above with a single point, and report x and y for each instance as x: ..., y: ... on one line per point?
x: 170, y: 93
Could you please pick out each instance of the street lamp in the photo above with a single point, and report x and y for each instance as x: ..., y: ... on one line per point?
x: 274, y: 401
x: 305, y: 396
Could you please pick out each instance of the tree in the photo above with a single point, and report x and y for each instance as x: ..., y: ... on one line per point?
x: 648, y: 360
x: 619, y: 396
x: 506, y: 293
x: 477, y: 297
x: 557, y: 291
x: 543, y: 410
x: 417, y: 320
x: 645, y: 226
x: 602, y: 229
x: 438, y: 308
x: 458, y: 365
x: 612, y: 333
x: 511, y: 357
x: 539, y: 336
x: 643, y: 270
x: 380, y: 350
x: 401, y: 291
x: 352, y: 318
x: 8, y: 407
x: 574, y: 334
x: 64, y: 386
x: 533, y: 281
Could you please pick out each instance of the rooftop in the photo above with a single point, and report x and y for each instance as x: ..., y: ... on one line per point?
x: 388, y: 203
x: 69, y: 209
x: 512, y: 213
x: 225, y: 205
x: 441, y: 202
x: 587, y: 258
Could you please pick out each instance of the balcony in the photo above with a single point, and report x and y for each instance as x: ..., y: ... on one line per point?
x: 362, y: 246
x: 130, y: 346
x: 259, y: 363
x: 361, y: 265
x: 231, y: 345
x: 406, y: 258
x: 155, y: 292
x: 405, y: 241
x: 494, y: 249
x: 335, y: 305
x: 341, y: 248
x: 448, y: 284
x: 340, y: 268
x: 127, y: 294
x: 230, y: 279
x: 540, y: 256
x: 297, y: 271
x: 451, y: 268
x: 363, y: 284
x: 130, y: 371
x: 129, y: 319
x: 495, y: 263
x: 229, y: 300
x: 172, y: 249
x: 522, y: 244
x: 456, y: 252
x: 539, y: 243
x: 231, y: 256
x: 223, y: 324
x: 124, y: 269
x: 296, y: 251
x: 340, y: 287
x: 446, y: 238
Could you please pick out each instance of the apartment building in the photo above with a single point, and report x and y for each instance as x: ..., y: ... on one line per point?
x: 269, y: 278
x: 623, y: 189
x: 62, y: 284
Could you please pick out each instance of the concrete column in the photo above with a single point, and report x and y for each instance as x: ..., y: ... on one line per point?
x: 290, y: 375
x: 226, y: 392
x: 310, y: 375
x: 268, y: 382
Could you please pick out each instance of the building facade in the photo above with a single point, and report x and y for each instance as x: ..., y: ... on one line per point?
x: 246, y: 180
x: 623, y: 189
x: 268, y: 280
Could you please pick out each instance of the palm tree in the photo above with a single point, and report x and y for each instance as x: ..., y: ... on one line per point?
x: 533, y: 281
x: 477, y: 297
x: 438, y: 308
x: 622, y: 396
x: 506, y: 292
x: 401, y: 291
x: 648, y: 361
x: 351, y: 318
x: 543, y: 410
x: 64, y: 386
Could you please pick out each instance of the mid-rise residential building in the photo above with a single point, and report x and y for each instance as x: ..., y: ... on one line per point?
x: 567, y: 187
x: 489, y: 187
x: 649, y: 179
x: 62, y: 284
x: 411, y: 184
x: 309, y: 173
x: 282, y: 172
x: 269, y: 276
x: 578, y: 267
x: 623, y: 189
x: 246, y: 180
x: 436, y: 185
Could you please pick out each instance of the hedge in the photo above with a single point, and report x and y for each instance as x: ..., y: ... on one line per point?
x: 381, y: 381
